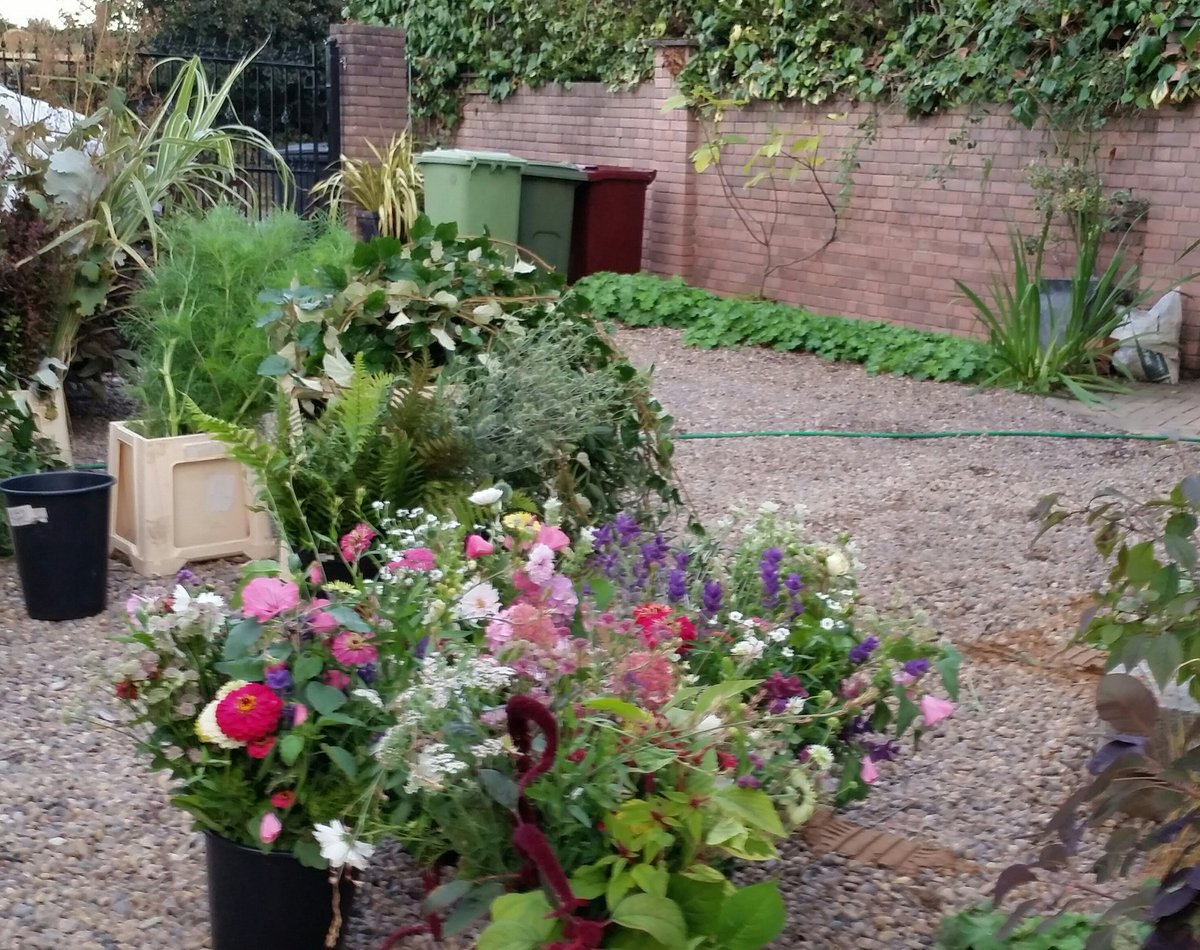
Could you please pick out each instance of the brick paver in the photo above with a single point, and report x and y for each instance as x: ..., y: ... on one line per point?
x: 1147, y: 409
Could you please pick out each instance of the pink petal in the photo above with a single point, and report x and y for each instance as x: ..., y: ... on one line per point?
x: 553, y: 537
x: 869, y: 773
x: 417, y: 559
x: 316, y: 574
x: 934, y: 710
x: 267, y: 597
x: 478, y: 546
x: 299, y: 714
x: 269, y: 827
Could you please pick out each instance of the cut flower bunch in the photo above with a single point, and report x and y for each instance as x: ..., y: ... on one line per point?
x: 589, y: 731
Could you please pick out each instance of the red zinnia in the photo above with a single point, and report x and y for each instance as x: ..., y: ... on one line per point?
x: 727, y: 761
x: 261, y: 748
x: 127, y: 690
x: 249, y: 713
x: 577, y: 755
x: 284, y: 800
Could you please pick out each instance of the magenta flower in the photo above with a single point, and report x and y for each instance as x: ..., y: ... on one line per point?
x: 414, y: 559
x: 553, y: 537
x: 319, y: 621
x: 934, y: 710
x: 316, y: 574
x: 869, y: 773
x: 337, y: 679
x: 352, y: 649
x: 267, y: 597
x: 299, y: 713
x: 478, y: 546
x: 269, y: 827
x: 356, y: 542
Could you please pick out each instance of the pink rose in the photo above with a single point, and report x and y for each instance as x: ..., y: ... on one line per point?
x: 269, y: 827
x: 934, y: 710
x: 479, y: 546
x: 869, y: 773
x: 553, y: 537
x: 267, y: 597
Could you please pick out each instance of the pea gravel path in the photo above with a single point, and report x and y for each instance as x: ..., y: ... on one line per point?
x: 91, y: 856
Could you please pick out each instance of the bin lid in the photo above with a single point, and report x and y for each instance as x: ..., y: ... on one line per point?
x: 462, y: 156
x: 563, y: 170
x: 617, y: 173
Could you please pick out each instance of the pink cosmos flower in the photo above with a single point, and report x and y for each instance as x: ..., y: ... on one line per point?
x: 269, y: 827
x: 299, y: 714
x: 414, y: 559
x: 934, y: 710
x: 540, y: 566
x: 869, y: 773
x: 356, y: 542
x: 337, y: 679
x: 316, y: 574
x: 267, y: 597
x: 553, y: 537
x: 478, y: 546
x: 352, y: 649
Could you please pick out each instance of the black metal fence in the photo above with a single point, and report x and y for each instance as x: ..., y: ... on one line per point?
x: 289, y: 95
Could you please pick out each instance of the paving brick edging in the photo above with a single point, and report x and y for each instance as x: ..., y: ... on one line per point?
x: 828, y: 833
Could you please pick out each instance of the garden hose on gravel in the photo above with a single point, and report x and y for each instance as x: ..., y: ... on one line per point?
x: 1006, y: 433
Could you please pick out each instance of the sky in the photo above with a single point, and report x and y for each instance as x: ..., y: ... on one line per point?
x: 19, y: 11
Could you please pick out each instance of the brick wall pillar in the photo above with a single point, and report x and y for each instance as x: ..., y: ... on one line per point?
x: 374, y: 85
x: 669, y: 246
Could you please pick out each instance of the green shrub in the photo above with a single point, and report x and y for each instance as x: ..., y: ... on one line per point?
x: 984, y: 929
x: 640, y: 300
x: 22, y: 448
x: 194, y: 323
x: 454, y: 304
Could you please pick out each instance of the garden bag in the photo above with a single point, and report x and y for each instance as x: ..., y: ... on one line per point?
x: 1149, y: 341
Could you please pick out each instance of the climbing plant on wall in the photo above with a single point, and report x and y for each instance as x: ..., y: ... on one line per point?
x: 1075, y: 60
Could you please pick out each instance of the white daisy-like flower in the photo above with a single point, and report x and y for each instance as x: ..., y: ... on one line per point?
x: 735, y: 615
x: 778, y: 635
x: 749, y: 648
x: 787, y: 653
x: 795, y: 706
x: 828, y: 623
x: 820, y: 757
x: 485, y: 497
x: 181, y: 600
x: 478, y: 602
x: 339, y: 847
x: 210, y: 599
x: 369, y: 695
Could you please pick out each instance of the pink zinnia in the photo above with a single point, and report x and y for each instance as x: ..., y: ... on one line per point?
x: 337, y: 679
x: 318, y: 620
x: 249, y: 713
x: 356, y: 542
x: 553, y: 537
x: 478, y: 546
x: 261, y: 748
x: 352, y: 649
x: 651, y: 675
x: 414, y: 559
x: 267, y: 597
x: 284, y: 799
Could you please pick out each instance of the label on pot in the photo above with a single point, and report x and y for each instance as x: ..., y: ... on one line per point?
x: 23, y: 515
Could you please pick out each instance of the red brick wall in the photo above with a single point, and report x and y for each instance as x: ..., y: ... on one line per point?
x: 922, y: 212
x: 374, y: 85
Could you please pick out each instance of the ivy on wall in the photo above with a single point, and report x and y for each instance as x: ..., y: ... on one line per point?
x: 1076, y: 60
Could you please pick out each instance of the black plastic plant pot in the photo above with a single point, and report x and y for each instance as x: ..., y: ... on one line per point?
x: 59, y: 523
x: 260, y: 901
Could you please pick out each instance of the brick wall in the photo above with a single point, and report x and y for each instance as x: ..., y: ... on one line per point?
x: 374, y: 85
x: 922, y: 212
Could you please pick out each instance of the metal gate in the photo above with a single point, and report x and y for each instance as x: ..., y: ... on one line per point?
x: 290, y: 96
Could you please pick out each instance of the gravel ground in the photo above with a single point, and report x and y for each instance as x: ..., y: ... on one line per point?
x: 91, y: 856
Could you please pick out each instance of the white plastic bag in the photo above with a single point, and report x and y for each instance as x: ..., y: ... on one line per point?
x: 1149, y: 348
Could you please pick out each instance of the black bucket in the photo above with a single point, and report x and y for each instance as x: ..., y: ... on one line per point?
x: 270, y: 901
x: 59, y: 524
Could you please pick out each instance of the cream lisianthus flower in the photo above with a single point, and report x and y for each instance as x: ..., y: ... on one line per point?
x: 836, y: 564
x: 206, y: 723
x: 486, y: 496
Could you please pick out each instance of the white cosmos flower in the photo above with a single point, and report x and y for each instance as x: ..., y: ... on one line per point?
x: 181, y: 601
x: 210, y: 599
x: 339, y: 848
x: 486, y: 496
x: 478, y: 602
x: 827, y: 623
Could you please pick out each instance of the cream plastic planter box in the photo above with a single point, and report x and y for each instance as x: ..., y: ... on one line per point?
x: 181, y: 499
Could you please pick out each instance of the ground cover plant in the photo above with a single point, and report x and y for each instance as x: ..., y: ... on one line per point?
x: 642, y: 300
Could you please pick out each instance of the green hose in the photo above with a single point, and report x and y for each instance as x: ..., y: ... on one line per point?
x: 1005, y: 433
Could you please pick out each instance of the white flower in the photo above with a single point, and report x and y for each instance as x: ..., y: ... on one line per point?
x: 369, y: 695
x: 709, y: 723
x: 435, y: 764
x: 209, y: 599
x: 788, y: 653
x: 735, y: 615
x: 778, y: 635
x: 487, y: 749
x: 768, y: 508
x: 181, y: 601
x: 795, y: 706
x: 748, y: 647
x: 478, y: 602
x: 208, y: 730
x: 827, y: 623
x: 486, y: 496
x: 836, y: 606
x: 339, y: 848
x: 821, y: 757
x: 836, y: 564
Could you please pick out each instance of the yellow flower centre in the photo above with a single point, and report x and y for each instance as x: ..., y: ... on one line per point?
x: 354, y: 641
x: 246, y: 703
